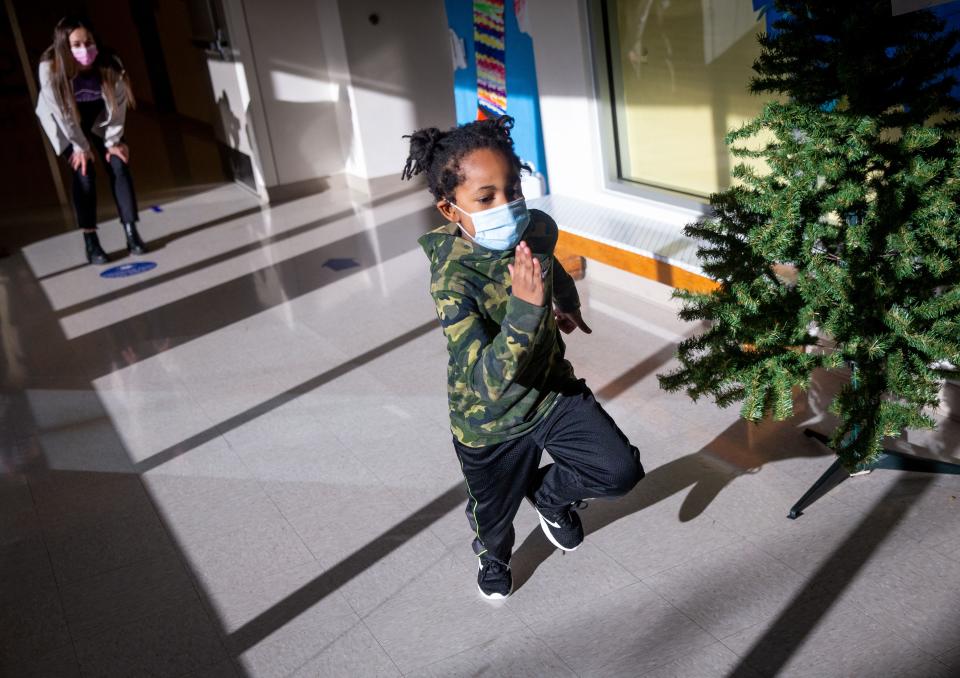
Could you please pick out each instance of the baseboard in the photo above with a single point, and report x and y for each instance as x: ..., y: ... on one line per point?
x: 300, y: 189
x: 380, y: 187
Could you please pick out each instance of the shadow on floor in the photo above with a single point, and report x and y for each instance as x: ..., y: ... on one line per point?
x: 787, y: 633
x: 93, y: 577
x: 703, y: 474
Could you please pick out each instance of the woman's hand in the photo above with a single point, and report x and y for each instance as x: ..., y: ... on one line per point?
x: 79, y: 160
x: 568, y: 321
x: 122, y: 151
x: 526, y: 276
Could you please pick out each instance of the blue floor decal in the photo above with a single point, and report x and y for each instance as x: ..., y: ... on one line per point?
x: 125, y: 270
x: 340, y: 264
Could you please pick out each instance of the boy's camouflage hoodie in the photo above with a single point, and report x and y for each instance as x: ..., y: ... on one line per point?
x: 506, y: 356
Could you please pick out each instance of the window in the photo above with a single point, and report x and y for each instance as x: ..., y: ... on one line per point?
x: 678, y: 73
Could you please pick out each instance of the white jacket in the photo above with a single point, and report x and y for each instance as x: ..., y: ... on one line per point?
x: 63, y: 131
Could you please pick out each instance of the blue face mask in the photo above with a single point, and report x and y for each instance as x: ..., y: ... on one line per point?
x: 501, y: 227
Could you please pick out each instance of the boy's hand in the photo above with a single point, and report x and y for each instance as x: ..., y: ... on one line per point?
x: 568, y: 321
x: 526, y: 276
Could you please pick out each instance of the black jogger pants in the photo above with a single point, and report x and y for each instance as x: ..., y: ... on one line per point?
x: 592, y: 459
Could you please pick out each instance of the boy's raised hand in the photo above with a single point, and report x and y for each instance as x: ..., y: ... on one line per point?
x: 526, y: 276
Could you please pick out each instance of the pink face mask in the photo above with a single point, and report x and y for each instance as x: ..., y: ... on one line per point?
x: 84, y: 55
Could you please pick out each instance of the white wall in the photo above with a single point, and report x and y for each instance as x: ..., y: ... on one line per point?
x: 401, y: 75
x: 301, y: 101
x: 241, y: 124
x: 333, y: 93
x: 335, y: 49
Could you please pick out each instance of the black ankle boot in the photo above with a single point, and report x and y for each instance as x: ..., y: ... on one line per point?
x: 95, y: 253
x: 134, y: 243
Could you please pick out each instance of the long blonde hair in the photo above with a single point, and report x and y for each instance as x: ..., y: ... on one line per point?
x: 64, y: 68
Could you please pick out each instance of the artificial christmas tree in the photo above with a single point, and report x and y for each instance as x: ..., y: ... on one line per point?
x: 857, y: 198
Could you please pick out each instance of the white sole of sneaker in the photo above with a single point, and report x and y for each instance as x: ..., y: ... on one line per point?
x: 545, y: 526
x: 494, y: 596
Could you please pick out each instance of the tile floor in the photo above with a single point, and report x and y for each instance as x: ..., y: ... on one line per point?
x: 238, y: 464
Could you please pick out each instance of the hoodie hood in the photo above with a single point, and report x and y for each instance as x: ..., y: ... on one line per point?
x: 446, y: 244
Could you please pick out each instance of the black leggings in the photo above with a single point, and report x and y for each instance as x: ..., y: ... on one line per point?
x: 592, y: 459
x: 85, y: 187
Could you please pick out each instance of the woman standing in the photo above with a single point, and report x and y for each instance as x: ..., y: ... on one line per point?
x: 84, y: 95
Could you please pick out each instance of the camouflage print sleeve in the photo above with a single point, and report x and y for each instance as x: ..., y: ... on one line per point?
x: 488, y: 363
x: 565, y: 294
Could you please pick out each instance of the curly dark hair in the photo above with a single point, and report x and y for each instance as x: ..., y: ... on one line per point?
x: 438, y: 154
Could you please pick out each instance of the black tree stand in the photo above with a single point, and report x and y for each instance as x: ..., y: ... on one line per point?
x: 890, y: 459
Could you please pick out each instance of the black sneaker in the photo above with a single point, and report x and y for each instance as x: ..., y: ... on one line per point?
x: 563, y: 527
x: 494, y: 579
